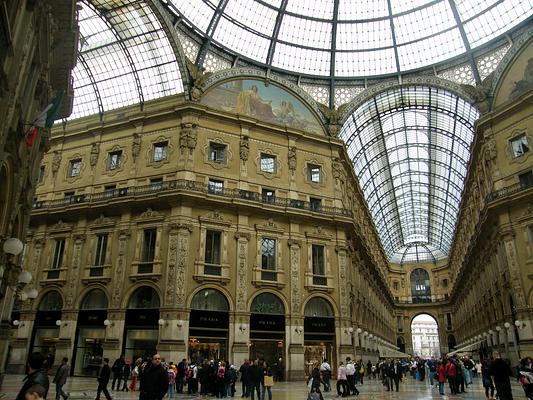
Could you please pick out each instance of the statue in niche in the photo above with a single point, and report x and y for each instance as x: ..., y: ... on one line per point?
x: 188, y: 137
x: 292, y: 158
x: 56, y: 161
x: 136, y: 145
x: 95, y: 150
x: 244, y: 148
x: 333, y: 116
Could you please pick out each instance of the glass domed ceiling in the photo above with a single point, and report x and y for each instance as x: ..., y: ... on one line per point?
x: 351, y: 38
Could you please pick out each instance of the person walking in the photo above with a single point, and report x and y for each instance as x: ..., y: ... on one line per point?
x: 153, y: 380
x: 325, y: 370
x: 350, y: 376
x: 314, y: 382
x: 60, y: 379
x: 103, y: 380
x: 487, y: 379
x: 342, y: 382
x: 432, y: 370
x: 171, y: 381
x: 267, y: 381
x: 126, y: 372
x: 37, y: 375
x: 243, y: 370
x: 117, y: 372
x: 440, y: 375
x: 501, y: 371
x: 255, y: 374
x: 451, y: 373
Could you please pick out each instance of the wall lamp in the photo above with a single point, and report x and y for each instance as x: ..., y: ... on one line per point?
x: 365, y: 333
x: 299, y: 330
x: 12, y: 275
x: 519, y: 324
x: 242, y: 328
x: 179, y: 324
x: 108, y: 323
x: 59, y: 323
x: 16, y: 323
x: 507, y: 325
x: 162, y: 322
x: 498, y: 328
x: 359, y: 330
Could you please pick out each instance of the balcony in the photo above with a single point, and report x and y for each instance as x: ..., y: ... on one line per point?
x: 185, y: 186
x: 509, y: 190
x: 422, y: 299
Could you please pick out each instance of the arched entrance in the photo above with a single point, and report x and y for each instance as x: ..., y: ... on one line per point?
x: 90, y: 334
x: 319, y: 333
x: 267, y: 328
x: 208, y: 326
x: 141, y: 331
x: 45, y: 333
x: 425, y: 336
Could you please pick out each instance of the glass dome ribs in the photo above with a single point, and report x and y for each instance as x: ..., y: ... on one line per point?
x: 124, y: 57
x: 352, y: 38
x: 410, y: 148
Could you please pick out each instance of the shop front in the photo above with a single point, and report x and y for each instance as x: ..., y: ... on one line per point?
x: 267, y: 329
x: 141, y: 329
x: 319, y: 334
x: 90, y: 334
x: 45, y: 334
x: 208, y: 327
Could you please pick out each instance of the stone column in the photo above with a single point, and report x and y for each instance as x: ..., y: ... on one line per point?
x: 295, y: 325
x: 120, y: 269
x: 241, y: 319
x: 113, y: 334
x: 67, y: 334
x: 74, y: 273
x: 20, y: 343
x: 514, y: 271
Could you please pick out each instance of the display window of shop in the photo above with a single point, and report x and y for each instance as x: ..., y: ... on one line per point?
x: 319, y: 334
x: 45, y: 333
x: 90, y: 334
x: 267, y: 328
x: 208, y: 327
x: 141, y: 333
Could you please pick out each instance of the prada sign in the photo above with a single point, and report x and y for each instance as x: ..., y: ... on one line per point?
x: 209, y: 319
x: 267, y: 322
x: 319, y: 325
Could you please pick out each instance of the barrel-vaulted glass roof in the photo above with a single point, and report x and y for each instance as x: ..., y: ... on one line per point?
x: 410, y: 147
x: 352, y: 38
x: 124, y: 57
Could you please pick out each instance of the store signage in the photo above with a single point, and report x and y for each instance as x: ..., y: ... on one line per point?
x: 319, y: 325
x: 47, y: 318
x: 209, y: 319
x: 92, y: 317
x: 267, y: 322
x: 142, y: 317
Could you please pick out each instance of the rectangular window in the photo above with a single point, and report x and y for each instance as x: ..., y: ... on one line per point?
x: 41, y: 174
x: 530, y: 234
x: 160, y: 151
x: 319, y: 267
x: 526, y: 179
x: 268, y: 259
x: 101, y: 248
x: 217, y: 152
x: 146, y: 264
x: 315, y: 204
x: 314, y: 173
x: 395, y: 285
x: 215, y: 187
x: 114, y: 159
x: 399, y: 323
x: 268, y: 163
x: 69, y: 197
x: 110, y: 190
x: 58, y: 254
x: 74, y: 167
x: 449, y: 321
x: 519, y: 145
x: 213, y: 240
x: 269, y: 195
x: 156, y: 183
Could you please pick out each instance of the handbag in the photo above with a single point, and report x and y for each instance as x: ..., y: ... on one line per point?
x: 269, y: 380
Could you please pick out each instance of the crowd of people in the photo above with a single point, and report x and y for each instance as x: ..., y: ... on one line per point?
x: 156, y: 379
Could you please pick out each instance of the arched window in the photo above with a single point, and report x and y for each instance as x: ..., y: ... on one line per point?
x: 451, y: 342
x: 420, y: 289
x: 425, y: 336
x: 209, y: 300
x: 52, y: 301
x: 400, y: 344
x: 144, y: 297
x: 267, y: 303
x: 317, y: 307
x: 96, y: 299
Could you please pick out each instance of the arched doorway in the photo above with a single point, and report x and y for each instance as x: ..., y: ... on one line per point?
x: 141, y: 331
x: 420, y: 286
x: 319, y: 333
x: 425, y: 336
x: 45, y: 334
x: 208, y: 326
x: 90, y: 334
x: 267, y: 328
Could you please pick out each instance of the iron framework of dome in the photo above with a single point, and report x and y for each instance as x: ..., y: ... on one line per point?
x: 410, y: 148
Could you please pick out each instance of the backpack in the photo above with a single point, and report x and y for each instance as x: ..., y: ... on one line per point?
x: 220, y: 372
x: 189, y: 373
x: 232, y: 375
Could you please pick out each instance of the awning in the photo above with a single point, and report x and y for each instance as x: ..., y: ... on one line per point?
x: 387, y: 352
x: 465, y: 349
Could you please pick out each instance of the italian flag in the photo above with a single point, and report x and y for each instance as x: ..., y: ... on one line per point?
x: 45, y: 119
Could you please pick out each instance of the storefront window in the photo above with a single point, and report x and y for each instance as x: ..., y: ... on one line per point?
x: 45, y: 341
x: 89, y: 351
x: 141, y: 343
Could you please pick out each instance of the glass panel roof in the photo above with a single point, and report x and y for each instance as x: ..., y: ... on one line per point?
x: 361, y: 37
x: 124, y: 57
x: 410, y: 148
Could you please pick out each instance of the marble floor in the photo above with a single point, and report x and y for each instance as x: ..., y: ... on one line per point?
x: 85, y: 388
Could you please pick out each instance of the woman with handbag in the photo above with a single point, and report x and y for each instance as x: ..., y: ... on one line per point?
x: 267, y: 382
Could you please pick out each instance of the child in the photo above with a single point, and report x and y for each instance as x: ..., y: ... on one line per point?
x: 35, y: 392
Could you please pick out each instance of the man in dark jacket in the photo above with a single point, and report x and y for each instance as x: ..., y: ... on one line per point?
x: 61, y: 378
x: 36, y: 375
x: 117, y: 367
x: 501, y: 371
x: 255, y: 376
x: 153, y: 380
x: 103, y: 380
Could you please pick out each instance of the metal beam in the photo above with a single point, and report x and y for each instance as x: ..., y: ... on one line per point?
x: 275, y: 32
x: 210, y: 31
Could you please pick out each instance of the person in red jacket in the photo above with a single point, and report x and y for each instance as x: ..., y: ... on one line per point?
x: 441, y: 377
x: 451, y: 373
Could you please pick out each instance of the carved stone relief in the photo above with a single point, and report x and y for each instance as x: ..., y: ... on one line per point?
x: 56, y: 161
x: 74, y: 272
x: 244, y: 148
x: 95, y: 151
x: 295, y: 275
x: 341, y: 254
x: 188, y: 137
x: 514, y: 273
x: 242, y: 251
x: 118, y: 279
x: 292, y: 158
